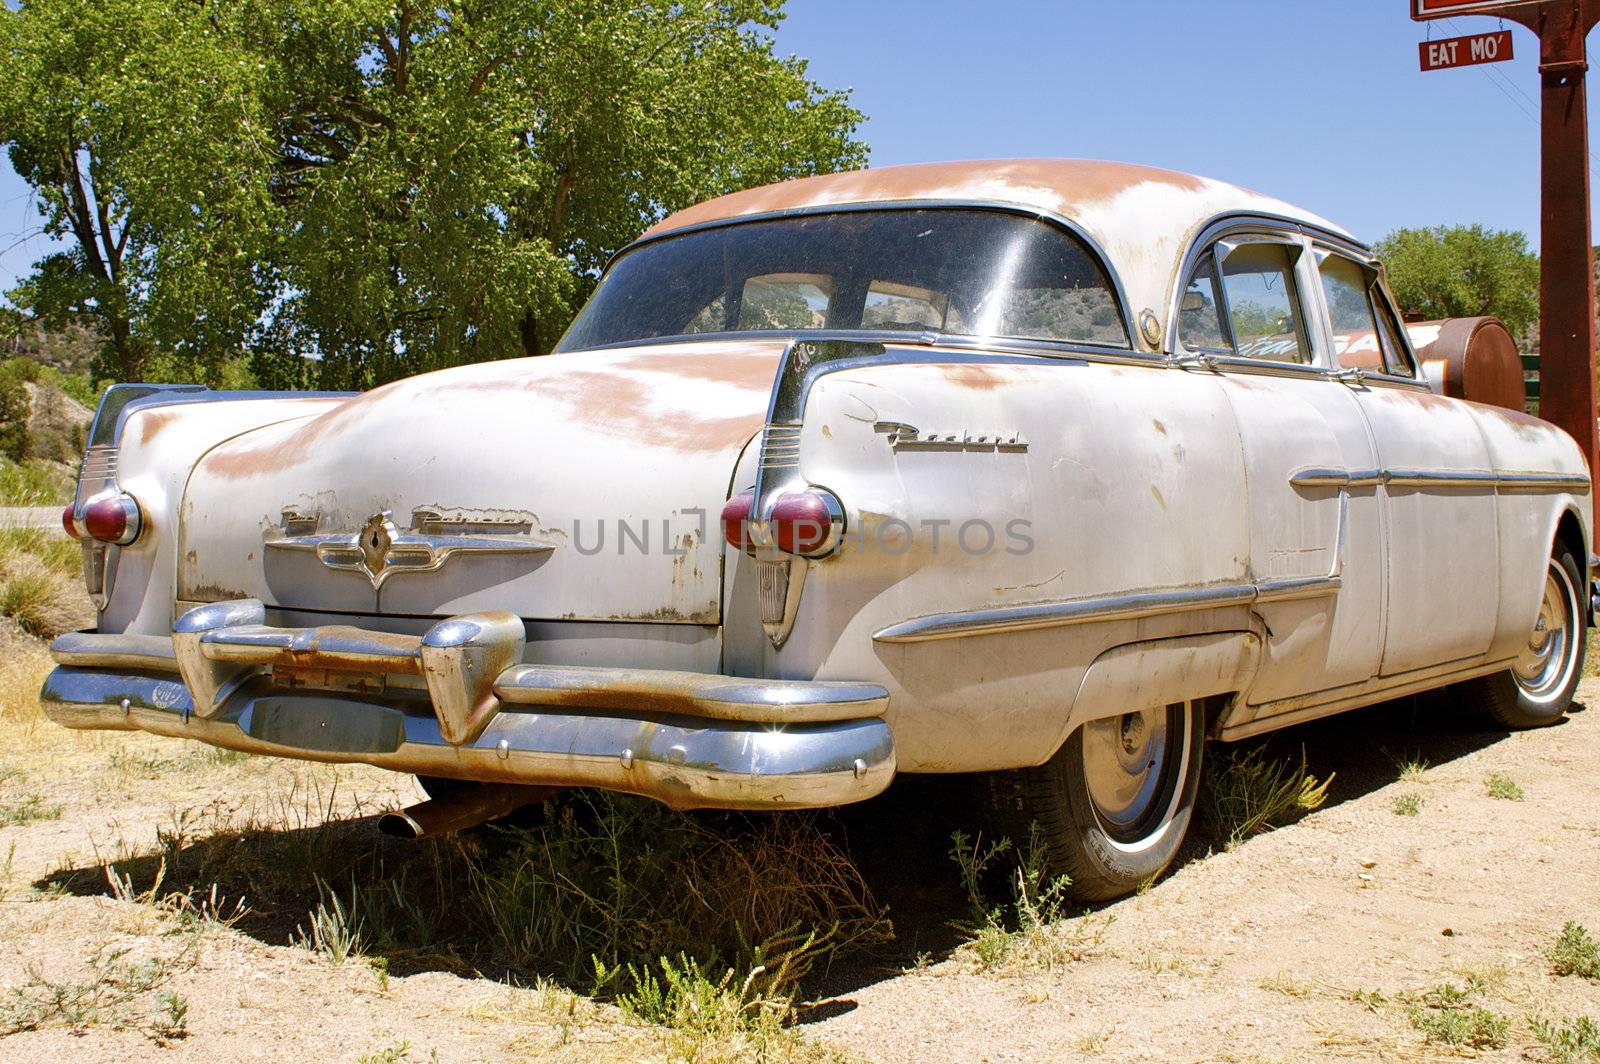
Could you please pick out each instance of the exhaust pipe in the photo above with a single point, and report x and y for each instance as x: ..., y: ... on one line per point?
x: 461, y: 808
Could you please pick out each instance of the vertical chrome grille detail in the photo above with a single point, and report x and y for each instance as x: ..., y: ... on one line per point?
x: 780, y: 446
x: 774, y: 589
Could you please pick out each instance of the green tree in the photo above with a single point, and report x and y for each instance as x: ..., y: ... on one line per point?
x: 1462, y: 271
x: 353, y: 190
x: 459, y: 172
x: 139, y: 124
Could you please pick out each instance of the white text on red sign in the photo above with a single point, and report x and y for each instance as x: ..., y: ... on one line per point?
x: 1466, y: 51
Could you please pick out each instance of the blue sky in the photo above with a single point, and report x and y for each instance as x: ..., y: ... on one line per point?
x: 1321, y: 104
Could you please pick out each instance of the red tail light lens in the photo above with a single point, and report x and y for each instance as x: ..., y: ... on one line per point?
x: 736, y: 517
x: 69, y: 521
x: 112, y: 519
x: 806, y: 522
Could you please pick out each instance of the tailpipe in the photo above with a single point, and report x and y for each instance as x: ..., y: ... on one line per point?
x: 461, y: 808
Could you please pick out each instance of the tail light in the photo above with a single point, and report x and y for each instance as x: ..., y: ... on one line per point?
x: 808, y: 523
x: 736, y: 519
x: 69, y: 521
x: 113, y: 519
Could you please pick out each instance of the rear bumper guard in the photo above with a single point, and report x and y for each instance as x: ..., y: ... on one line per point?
x: 458, y: 702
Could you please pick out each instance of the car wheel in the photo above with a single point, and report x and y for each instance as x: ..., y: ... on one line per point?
x: 1538, y: 688
x: 1114, y: 803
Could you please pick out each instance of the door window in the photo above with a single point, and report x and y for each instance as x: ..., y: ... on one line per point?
x: 1200, y: 314
x: 1364, y: 333
x: 1263, y: 305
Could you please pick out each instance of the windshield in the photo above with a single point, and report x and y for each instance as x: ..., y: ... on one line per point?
x: 970, y: 272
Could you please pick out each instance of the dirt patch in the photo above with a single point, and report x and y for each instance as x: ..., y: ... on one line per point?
x: 1330, y: 938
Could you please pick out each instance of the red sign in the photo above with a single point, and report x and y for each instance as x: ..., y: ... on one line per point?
x: 1425, y: 9
x: 1465, y: 51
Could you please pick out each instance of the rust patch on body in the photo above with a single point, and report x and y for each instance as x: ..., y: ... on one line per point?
x: 619, y: 394
x: 974, y: 378
x: 152, y: 422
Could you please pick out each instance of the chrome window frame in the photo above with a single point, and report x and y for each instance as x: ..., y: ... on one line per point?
x: 1220, y: 250
x: 1310, y: 237
x: 932, y: 337
x: 1377, y: 291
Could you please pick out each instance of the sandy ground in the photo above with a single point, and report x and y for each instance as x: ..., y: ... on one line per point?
x: 1300, y: 944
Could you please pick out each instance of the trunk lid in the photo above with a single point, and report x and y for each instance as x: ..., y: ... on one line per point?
x: 582, y: 486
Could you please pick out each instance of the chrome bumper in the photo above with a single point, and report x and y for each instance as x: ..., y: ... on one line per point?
x: 457, y: 702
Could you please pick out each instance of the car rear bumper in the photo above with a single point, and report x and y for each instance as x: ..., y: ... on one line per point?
x: 465, y: 706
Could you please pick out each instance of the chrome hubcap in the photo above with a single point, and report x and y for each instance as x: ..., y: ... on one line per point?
x: 1124, y: 768
x: 1547, y: 662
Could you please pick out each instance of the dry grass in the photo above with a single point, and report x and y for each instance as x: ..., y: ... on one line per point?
x: 596, y: 895
x: 24, y: 663
x: 1244, y: 794
x: 41, y: 589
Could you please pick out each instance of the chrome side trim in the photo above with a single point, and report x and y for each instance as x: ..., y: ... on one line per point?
x: 1104, y: 608
x: 691, y: 694
x: 1319, y: 477
x: 1302, y: 708
x: 1291, y: 589
x: 1324, y: 477
x: 1440, y: 478
x: 1060, y: 614
x: 1544, y: 482
x: 684, y: 764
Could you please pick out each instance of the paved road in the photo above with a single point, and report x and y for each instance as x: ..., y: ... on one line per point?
x: 46, y: 517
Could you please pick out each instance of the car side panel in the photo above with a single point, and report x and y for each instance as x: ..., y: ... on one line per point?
x: 1132, y: 479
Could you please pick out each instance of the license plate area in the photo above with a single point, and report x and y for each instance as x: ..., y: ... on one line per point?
x: 326, y: 725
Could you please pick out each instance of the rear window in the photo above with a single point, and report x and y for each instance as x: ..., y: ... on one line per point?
x: 947, y: 270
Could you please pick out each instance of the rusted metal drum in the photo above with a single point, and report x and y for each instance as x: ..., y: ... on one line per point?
x: 1470, y: 358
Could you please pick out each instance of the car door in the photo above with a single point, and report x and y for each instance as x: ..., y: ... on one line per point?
x: 1315, y: 539
x: 1439, y: 510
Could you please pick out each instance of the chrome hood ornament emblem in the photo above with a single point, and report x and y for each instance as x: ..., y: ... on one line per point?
x: 380, y: 549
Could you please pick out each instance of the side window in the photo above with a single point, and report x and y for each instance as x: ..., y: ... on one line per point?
x: 1348, y: 288
x: 1365, y: 333
x: 785, y: 301
x: 1263, y: 306
x: 901, y: 306
x: 1200, y: 313
x: 1389, y: 331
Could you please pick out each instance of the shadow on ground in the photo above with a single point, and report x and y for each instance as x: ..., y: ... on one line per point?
x: 899, y: 844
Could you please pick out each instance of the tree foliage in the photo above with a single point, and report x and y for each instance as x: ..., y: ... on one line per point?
x: 1463, y: 271
x: 386, y: 186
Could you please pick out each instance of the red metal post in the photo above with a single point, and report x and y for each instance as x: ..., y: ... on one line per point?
x: 1566, y: 290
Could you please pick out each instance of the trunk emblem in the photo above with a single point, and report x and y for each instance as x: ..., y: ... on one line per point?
x: 380, y: 549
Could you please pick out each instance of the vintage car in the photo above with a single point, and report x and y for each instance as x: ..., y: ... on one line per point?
x: 1048, y: 470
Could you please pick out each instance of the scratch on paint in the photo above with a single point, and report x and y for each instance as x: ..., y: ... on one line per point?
x: 1031, y: 587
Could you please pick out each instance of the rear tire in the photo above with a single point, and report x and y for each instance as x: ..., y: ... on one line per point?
x: 1114, y: 803
x: 1538, y: 689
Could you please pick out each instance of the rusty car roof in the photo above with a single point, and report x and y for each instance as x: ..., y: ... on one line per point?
x: 1143, y: 217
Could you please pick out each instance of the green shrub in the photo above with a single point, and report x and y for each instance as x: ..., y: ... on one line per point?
x: 1032, y: 930
x: 1575, y: 952
x: 1408, y: 804
x: 1568, y: 1041
x: 1503, y: 787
